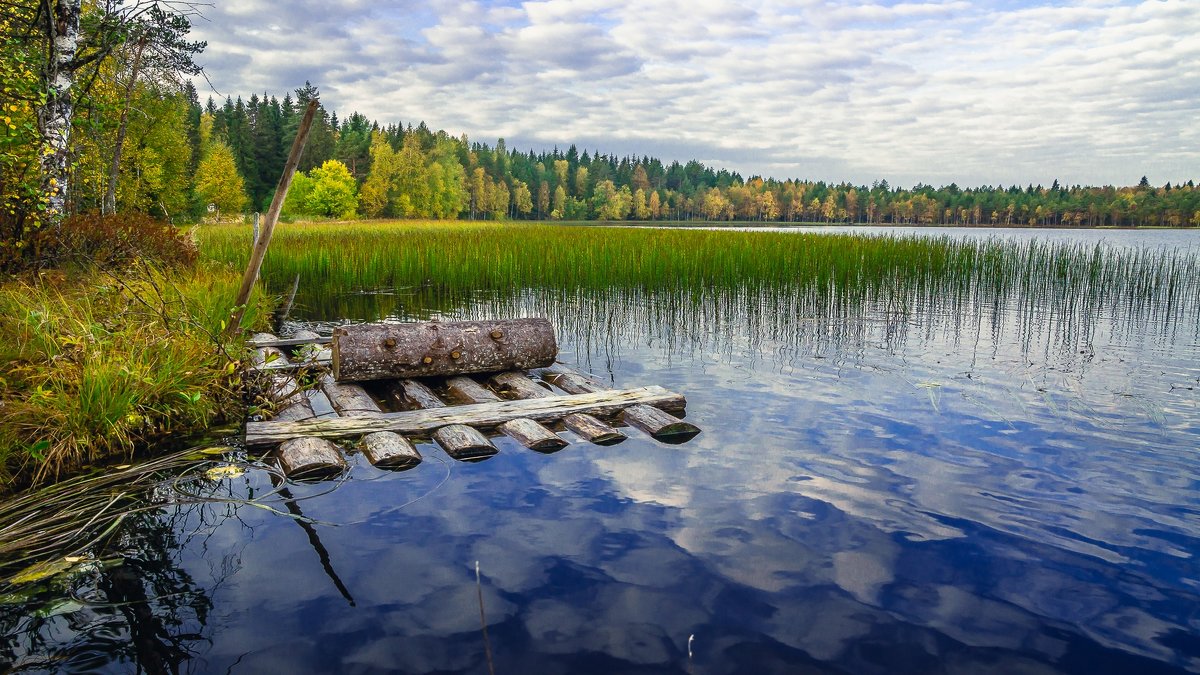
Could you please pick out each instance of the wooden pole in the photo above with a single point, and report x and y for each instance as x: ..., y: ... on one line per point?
x: 264, y: 237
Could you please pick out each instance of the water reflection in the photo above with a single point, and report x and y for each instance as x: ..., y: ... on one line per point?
x: 913, y: 476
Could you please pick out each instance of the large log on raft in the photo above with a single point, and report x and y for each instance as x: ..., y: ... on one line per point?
x: 440, y: 348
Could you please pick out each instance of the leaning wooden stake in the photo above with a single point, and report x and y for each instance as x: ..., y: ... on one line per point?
x: 264, y: 240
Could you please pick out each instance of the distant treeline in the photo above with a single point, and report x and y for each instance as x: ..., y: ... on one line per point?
x: 414, y: 172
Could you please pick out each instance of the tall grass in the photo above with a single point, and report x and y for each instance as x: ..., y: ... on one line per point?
x: 101, y: 364
x: 828, y: 273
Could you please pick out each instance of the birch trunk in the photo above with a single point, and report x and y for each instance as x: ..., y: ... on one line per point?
x: 54, y: 117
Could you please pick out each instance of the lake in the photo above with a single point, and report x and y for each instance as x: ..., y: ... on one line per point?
x: 904, y: 472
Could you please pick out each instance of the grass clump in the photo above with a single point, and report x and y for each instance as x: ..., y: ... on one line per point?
x: 105, y: 358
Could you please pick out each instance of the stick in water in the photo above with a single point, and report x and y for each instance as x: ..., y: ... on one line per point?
x: 487, y: 645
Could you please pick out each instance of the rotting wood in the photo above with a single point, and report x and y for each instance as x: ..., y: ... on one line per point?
x: 282, y: 390
x: 458, y: 440
x: 309, y: 458
x: 660, y: 425
x: 482, y: 415
x: 384, y: 449
x: 585, y: 426
x: 523, y: 430
x: 436, y: 348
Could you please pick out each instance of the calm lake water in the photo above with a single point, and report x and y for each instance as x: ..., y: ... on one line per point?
x: 980, y: 482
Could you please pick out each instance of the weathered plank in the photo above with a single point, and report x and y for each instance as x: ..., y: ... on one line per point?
x: 440, y: 348
x: 585, y: 426
x: 524, y: 431
x: 457, y: 440
x: 349, y: 399
x: 286, y: 366
x: 482, y: 415
x: 309, y: 458
x: 287, y: 342
x: 660, y: 425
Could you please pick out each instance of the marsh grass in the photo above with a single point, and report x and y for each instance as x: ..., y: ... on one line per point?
x: 104, y: 362
x: 829, y: 273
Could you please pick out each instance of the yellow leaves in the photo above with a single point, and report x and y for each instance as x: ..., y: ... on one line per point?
x: 226, y: 471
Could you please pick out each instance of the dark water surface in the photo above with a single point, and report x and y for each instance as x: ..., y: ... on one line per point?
x: 984, y: 483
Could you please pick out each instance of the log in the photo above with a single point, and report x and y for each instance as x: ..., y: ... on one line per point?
x: 389, y: 450
x: 299, y: 458
x: 660, y: 425
x: 458, y: 440
x: 483, y: 415
x: 585, y: 426
x: 434, y: 348
x: 310, y: 459
x: 523, y: 430
x: 383, y: 449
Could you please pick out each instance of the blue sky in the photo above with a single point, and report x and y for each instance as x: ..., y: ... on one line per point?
x: 1090, y: 92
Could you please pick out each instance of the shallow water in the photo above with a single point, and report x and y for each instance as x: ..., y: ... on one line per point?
x: 985, y: 483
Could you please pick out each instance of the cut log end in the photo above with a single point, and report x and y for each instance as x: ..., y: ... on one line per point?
x: 391, y: 451
x: 464, y: 443
x: 310, y: 459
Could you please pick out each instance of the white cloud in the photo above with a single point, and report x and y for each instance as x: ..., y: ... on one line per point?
x: 1086, y: 92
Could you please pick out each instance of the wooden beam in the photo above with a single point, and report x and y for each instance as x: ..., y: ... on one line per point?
x: 587, y: 427
x: 481, y: 415
x: 660, y: 425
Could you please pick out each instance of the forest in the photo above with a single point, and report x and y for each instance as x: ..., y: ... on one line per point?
x: 141, y: 140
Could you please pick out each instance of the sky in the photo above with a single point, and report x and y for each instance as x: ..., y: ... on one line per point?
x: 1091, y: 92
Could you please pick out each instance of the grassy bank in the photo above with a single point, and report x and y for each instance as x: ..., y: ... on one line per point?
x: 102, y: 363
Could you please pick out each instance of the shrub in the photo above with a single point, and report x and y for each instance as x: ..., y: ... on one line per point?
x: 108, y: 242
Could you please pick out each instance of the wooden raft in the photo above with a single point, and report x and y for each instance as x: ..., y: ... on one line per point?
x: 440, y: 382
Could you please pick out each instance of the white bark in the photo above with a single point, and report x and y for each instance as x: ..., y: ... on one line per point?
x: 54, y: 118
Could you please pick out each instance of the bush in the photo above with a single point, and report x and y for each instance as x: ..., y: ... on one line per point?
x: 108, y: 242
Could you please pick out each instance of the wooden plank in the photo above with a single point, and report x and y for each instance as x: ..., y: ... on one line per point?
x: 524, y: 431
x: 310, y: 459
x: 457, y: 440
x: 439, y: 348
x: 482, y: 415
x: 585, y: 426
x: 660, y: 425
x: 286, y: 366
x: 288, y: 342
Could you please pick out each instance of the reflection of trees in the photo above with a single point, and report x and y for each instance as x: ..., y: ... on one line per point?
x: 140, y: 607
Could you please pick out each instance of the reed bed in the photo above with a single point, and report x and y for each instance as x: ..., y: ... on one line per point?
x: 835, y: 272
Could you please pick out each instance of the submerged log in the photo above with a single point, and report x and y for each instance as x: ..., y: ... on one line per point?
x: 456, y: 439
x: 384, y: 449
x: 660, y: 425
x: 585, y: 426
x: 309, y: 458
x: 523, y: 430
x: 483, y: 415
x: 435, y: 348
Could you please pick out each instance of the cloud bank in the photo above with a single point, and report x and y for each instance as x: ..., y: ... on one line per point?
x: 1091, y: 91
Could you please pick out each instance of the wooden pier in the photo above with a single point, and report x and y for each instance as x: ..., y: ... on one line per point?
x: 451, y: 382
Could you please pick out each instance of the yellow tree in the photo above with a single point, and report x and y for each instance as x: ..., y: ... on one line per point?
x: 375, y: 195
x: 218, y: 182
